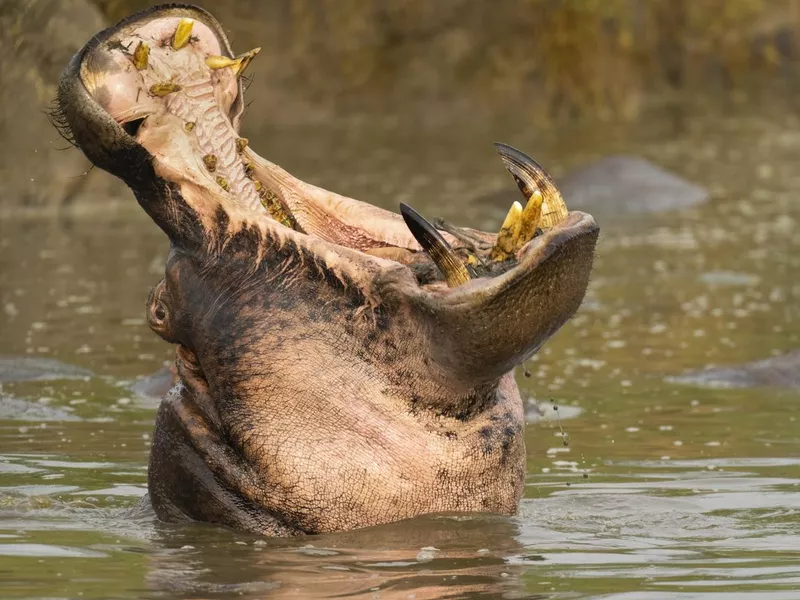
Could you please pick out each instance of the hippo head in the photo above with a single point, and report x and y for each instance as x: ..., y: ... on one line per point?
x: 340, y: 365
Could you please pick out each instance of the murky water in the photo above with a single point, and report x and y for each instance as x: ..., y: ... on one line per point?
x: 664, y: 491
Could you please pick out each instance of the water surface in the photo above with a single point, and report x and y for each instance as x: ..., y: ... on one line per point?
x: 664, y: 490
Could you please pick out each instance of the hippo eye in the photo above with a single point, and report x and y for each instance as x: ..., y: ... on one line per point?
x: 161, y: 314
x: 132, y: 127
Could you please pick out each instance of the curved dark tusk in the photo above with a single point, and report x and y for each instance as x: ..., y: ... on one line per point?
x: 530, y: 176
x: 432, y: 242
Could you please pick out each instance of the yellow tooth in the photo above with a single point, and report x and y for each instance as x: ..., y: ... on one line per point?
x: 164, y: 89
x: 238, y: 64
x: 189, y: 125
x: 141, y: 56
x: 210, y: 160
x: 276, y: 209
x: 219, y: 62
x: 244, y: 60
x: 241, y: 144
x: 504, y: 246
x: 258, y: 185
x: 182, y: 34
x: 223, y: 183
x: 531, y: 217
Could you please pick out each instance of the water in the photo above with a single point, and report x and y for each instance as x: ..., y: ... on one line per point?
x: 664, y: 491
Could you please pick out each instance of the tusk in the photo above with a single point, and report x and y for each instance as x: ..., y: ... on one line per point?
x: 530, y: 176
x: 244, y: 61
x: 435, y: 246
x: 238, y: 64
x: 509, y: 231
x: 141, y: 56
x: 182, y: 34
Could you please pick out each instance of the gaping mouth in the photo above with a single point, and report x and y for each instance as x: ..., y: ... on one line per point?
x: 171, y: 86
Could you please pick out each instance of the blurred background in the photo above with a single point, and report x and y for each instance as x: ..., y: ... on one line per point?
x: 450, y: 64
x: 675, y: 122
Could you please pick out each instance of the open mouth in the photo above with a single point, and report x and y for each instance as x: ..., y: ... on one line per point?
x: 340, y: 365
x: 164, y: 88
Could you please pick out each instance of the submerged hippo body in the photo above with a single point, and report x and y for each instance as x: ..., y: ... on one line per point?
x: 777, y: 371
x: 338, y: 369
x: 629, y: 185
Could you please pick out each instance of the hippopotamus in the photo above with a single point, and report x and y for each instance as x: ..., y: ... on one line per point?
x: 339, y: 365
x: 777, y: 371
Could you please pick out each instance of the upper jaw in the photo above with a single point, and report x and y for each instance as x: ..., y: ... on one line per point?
x: 106, y: 88
x: 180, y: 101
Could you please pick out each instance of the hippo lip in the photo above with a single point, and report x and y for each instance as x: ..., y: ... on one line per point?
x: 163, y: 114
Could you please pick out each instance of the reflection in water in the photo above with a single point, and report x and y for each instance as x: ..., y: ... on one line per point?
x: 710, y: 524
x: 431, y: 557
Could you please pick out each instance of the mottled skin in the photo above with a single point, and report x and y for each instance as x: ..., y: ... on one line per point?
x: 323, y: 386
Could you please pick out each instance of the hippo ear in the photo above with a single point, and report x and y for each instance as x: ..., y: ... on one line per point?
x: 481, y: 330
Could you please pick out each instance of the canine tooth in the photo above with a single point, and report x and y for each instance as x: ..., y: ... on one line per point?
x: 210, y: 161
x: 530, y: 175
x: 244, y: 60
x: 432, y: 242
x: 219, y: 62
x: 223, y: 183
x: 141, y: 56
x: 241, y: 144
x: 238, y: 64
x: 182, y: 33
x: 531, y: 215
x: 509, y: 231
x: 164, y: 89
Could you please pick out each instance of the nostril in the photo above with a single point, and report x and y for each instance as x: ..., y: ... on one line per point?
x: 132, y: 127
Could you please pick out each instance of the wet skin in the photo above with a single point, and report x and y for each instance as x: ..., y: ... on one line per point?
x: 340, y: 365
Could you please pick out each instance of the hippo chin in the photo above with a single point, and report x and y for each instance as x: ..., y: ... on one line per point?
x: 340, y: 365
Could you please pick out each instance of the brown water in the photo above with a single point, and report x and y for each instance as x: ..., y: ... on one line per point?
x: 665, y: 491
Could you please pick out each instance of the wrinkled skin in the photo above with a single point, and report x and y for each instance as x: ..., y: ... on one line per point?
x: 329, y: 378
